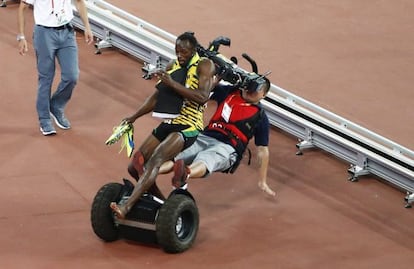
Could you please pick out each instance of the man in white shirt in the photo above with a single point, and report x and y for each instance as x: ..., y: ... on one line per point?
x: 54, y: 38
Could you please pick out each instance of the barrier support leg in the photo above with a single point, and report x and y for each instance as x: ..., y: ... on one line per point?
x: 409, y: 199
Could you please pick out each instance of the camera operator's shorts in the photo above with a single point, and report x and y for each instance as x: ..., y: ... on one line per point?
x: 189, y: 133
x: 216, y: 155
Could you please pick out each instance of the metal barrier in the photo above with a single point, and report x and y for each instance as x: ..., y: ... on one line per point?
x: 3, y: 3
x: 119, y: 29
x: 367, y: 152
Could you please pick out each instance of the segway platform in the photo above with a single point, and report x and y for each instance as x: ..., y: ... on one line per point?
x: 171, y: 223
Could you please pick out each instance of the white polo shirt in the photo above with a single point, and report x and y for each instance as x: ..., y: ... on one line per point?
x: 51, y: 13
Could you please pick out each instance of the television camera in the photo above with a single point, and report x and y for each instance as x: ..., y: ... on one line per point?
x: 228, y: 70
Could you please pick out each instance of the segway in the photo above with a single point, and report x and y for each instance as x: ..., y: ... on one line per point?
x: 171, y: 223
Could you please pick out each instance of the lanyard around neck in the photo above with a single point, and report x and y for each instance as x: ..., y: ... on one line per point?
x: 53, y: 5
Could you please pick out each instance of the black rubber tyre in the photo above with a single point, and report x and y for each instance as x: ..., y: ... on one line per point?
x: 102, y: 218
x: 177, y: 224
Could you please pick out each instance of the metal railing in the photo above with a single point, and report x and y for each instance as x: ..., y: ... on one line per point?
x: 3, y: 3
x: 116, y: 28
x: 367, y: 152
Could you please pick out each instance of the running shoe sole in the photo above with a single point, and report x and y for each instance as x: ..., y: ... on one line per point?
x: 52, y: 132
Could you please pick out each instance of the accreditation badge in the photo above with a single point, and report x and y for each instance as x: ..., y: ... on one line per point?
x: 226, y: 112
x: 61, y: 17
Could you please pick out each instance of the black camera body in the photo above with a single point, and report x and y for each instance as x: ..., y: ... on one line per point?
x: 252, y: 82
x: 228, y: 70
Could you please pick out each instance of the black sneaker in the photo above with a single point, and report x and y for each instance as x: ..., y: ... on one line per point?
x: 181, y: 174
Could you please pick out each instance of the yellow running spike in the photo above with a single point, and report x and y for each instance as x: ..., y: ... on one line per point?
x: 125, y: 132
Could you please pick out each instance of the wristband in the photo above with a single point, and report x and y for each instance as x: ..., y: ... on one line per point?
x: 20, y: 37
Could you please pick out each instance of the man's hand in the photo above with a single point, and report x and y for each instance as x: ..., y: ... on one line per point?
x: 165, y: 77
x: 130, y: 119
x: 88, y: 36
x: 23, y: 47
x: 264, y: 187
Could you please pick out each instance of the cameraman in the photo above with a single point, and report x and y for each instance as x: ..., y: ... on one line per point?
x: 220, y: 147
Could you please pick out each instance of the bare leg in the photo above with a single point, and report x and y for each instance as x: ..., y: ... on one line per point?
x: 154, y: 190
x: 136, y: 166
x: 197, y: 170
x: 166, y: 167
x: 167, y: 150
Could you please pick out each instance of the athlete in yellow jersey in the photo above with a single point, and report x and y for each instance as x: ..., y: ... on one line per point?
x: 172, y: 135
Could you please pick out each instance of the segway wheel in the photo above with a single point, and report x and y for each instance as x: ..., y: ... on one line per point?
x: 177, y: 224
x: 102, y: 218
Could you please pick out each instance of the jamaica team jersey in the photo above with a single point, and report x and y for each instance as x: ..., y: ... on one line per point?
x: 191, y: 113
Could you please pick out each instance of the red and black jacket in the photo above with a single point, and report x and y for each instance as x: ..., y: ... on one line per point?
x: 236, y: 120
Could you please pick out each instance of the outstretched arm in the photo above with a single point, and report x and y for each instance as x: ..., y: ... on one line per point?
x: 263, y: 160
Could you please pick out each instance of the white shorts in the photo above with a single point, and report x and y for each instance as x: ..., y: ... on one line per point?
x: 216, y: 155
